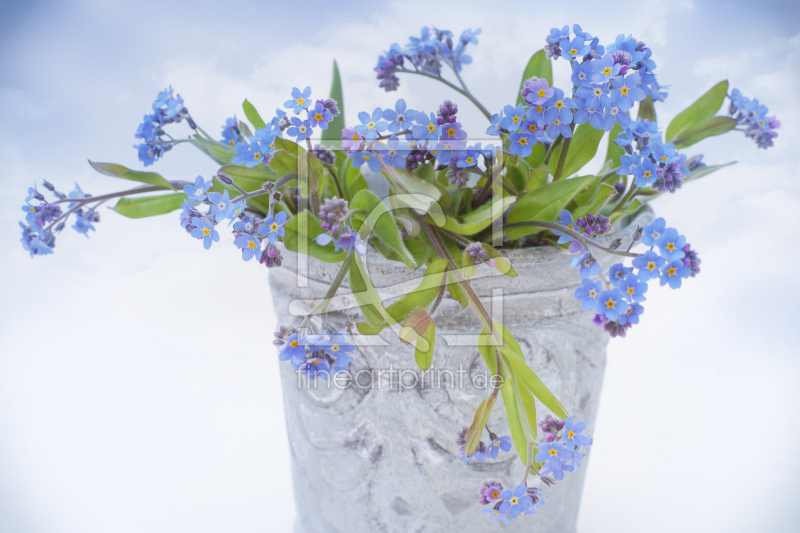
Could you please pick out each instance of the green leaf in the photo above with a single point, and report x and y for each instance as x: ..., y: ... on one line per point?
x: 701, y: 110
x: 425, y: 191
x: 614, y: 151
x: 544, y: 203
x: 537, y: 156
x: 221, y: 153
x: 415, y: 325
x: 475, y: 431
x: 697, y: 132
x: 422, y: 296
x: 301, y: 231
x: 364, y: 292
x: 149, y: 206
x: 698, y: 173
x: 647, y: 110
x: 425, y: 345
x: 425, y: 171
x: 290, y: 146
x: 541, y: 67
x: 582, y: 148
x: 593, y: 198
x: 537, y: 178
x: 283, y: 163
x: 244, y: 129
x: 252, y: 115
x: 529, y: 378
x: 632, y: 207
x: 518, y: 176
x: 514, y: 422
x: 480, y: 218
x: 118, y: 171
x: 335, y: 126
x: 381, y: 224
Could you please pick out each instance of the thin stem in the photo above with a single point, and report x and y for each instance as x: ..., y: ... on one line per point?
x: 562, y: 159
x: 332, y: 170
x: 455, y: 88
x: 439, y: 295
x: 337, y: 282
x: 566, y: 231
x: 625, y: 199
x: 88, y: 199
x: 552, y: 149
x: 456, y: 237
x: 278, y: 184
x: 441, y: 251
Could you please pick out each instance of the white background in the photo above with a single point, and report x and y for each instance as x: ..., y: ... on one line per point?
x: 138, y: 385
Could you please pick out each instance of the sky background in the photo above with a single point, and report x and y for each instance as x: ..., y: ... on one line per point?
x: 138, y: 386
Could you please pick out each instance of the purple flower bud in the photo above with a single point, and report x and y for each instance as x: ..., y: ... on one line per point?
x: 691, y: 260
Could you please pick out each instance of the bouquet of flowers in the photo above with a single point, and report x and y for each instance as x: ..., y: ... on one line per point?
x: 453, y: 206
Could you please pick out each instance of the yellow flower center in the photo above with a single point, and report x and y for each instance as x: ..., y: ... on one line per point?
x: 623, y: 90
x: 33, y: 210
x: 610, y: 303
x: 570, y: 434
x: 294, y: 344
x: 539, y: 108
x: 573, y: 52
x: 451, y: 132
x: 301, y: 101
x: 252, y: 244
x: 523, y: 141
x: 515, y: 119
x: 231, y: 142
x: 631, y: 291
x: 365, y: 157
x: 532, y: 128
x: 318, y: 116
x: 541, y: 93
x: 371, y: 125
x: 514, y: 500
x: 495, y: 495
x: 559, y: 104
x: 553, y: 452
x: 273, y: 227
x: 469, y: 160
x: 206, y: 231
x: 607, y: 71
x: 651, y: 266
x: 431, y: 128
x: 257, y: 155
x: 647, y: 174
x: 664, y: 158
x: 670, y: 246
x: 335, y: 347
x: 671, y: 271
x: 149, y: 154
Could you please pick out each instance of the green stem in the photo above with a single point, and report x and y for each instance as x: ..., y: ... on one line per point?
x: 552, y: 149
x: 441, y: 251
x: 562, y: 159
x: 625, y: 199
